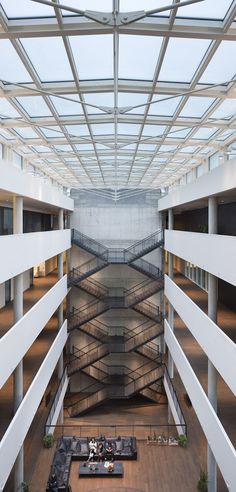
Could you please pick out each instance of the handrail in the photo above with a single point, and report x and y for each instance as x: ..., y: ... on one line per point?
x: 55, y: 401
x: 174, y: 397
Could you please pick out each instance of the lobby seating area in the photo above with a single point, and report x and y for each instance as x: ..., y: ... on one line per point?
x: 77, y: 448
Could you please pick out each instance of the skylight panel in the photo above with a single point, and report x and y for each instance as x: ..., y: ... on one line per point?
x: 127, y: 99
x: 52, y: 132
x: 26, y: 132
x: 65, y: 107
x: 138, y: 56
x: 196, y: 106
x: 103, y: 129
x: 204, y: 133
x: 128, y: 129
x: 101, y: 6
x: 7, y: 135
x: 153, y: 130
x: 182, y: 59
x: 189, y: 150
x: 93, y: 56
x: 178, y: 132
x: 77, y: 130
x: 63, y: 148
x: 12, y: 68
x: 84, y: 147
x: 99, y: 99
x: 146, y: 147
x: 48, y: 56
x: 7, y: 110
x: 167, y: 148
x: 222, y: 67
x: 209, y: 9
x: 35, y: 106
x: 227, y: 110
x: 42, y: 149
x: 16, y: 9
x: 225, y: 135
x: 135, y: 5
x: 163, y: 108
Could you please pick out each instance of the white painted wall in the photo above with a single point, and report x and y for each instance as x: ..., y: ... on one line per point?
x: 17, y: 430
x: 220, y: 179
x: 39, y: 247
x: 222, y: 352
x: 211, y: 252
x: 218, y: 439
x: 15, y: 181
x: 31, y: 324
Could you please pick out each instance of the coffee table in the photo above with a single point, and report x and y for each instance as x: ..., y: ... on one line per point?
x: 99, y: 470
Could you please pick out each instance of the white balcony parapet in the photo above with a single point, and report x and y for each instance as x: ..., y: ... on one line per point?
x: 17, y: 182
x: 217, y: 438
x: 15, y: 434
x: 20, y: 252
x: 211, y: 252
x: 222, y: 352
x: 219, y: 180
x: 31, y: 324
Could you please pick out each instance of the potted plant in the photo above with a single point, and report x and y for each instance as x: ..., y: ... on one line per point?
x: 202, y: 482
x: 25, y: 487
x: 182, y: 440
x: 48, y: 440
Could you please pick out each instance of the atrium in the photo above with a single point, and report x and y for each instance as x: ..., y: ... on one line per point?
x: 117, y: 233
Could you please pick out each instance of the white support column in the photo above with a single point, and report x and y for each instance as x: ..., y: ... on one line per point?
x: 171, y: 275
x: 68, y: 297
x: 18, y: 393
x: 170, y: 307
x: 212, y: 313
x: 60, y: 309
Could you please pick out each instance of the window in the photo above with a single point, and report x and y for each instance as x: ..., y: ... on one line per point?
x: 17, y: 160
x: 200, y: 170
x: 214, y: 161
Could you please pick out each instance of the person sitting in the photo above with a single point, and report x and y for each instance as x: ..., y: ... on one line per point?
x: 52, y: 483
x: 93, y: 444
x: 109, y: 452
x: 92, y: 455
x: 101, y: 452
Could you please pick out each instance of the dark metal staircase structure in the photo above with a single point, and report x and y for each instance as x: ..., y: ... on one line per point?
x: 89, y: 360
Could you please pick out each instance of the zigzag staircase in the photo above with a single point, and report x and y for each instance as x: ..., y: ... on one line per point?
x: 89, y: 359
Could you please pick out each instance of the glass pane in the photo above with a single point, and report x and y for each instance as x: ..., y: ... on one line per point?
x: 12, y: 68
x: 48, y: 56
x: 227, y: 109
x: 127, y: 99
x: 52, y: 132
x: 103, y: 129
x: 195, y: 107
x: 135, y: 5
x: 204, y: 133
x: 178, y: 132
x: 128, y: 129
x: 101, y: 6
x: 35, y: 106
x: 209, y: 9
x: 222, y: 67
x: 138, y: 56
x: 182, y: 59
x: 77, y: 130
x: 189, y: 150
x: 26, y: 132
x: 99, y: 99
x: 67, y: 107
x: 163, y: 108
x: 42, y: 148
x: 25, y: 8
x: 7, y: 110
x: 93, y: 56
x: 153, y: 130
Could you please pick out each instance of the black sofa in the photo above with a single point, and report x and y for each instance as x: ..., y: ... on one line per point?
x: 77, y: 448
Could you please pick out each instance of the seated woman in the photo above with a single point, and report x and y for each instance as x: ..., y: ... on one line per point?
x: 109, y: 452
x: 93, y: 444
x: 101, y: 452
x: 92, y: 455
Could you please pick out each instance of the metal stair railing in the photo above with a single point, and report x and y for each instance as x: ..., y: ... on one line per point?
x: 89, y: 244
x: 142, y: 291
x: 143, y: 246
x: 88, y: 358
x: 85, y: 270
x: 144, y: 380
x: 94, y: 329
x: 94, y: 288
x: 145, y: 267
x: 86, y: 313
x: 150, y: 310
x: 145, y: 336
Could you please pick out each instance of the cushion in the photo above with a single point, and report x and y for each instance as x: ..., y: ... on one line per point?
x: 84, y: 448
x: 119, y: 446
x: 75, y: 446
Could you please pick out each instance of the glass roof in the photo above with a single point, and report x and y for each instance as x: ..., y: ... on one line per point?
x: 115, y: 102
